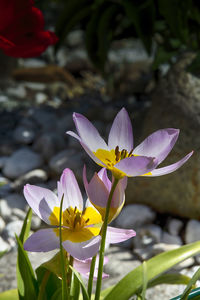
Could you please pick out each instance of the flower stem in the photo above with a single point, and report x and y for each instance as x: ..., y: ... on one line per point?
x: 90, y: 280
x: 103, y: 241
x: 65, y: 294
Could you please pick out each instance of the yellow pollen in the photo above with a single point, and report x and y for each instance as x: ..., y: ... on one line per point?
x: 111, y: 158
x: 75, y: 223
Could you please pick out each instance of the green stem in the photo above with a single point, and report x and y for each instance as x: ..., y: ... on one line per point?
x: 65, y: 294
x: 90, y: 280
x: 103, y: 241
x: 43, y: 285
x: 69, y: 275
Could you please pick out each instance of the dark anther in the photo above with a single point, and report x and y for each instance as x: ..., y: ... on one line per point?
x: 123, y: 153
x: 75, y: 209
x: 117, y: 153
x: 87, y: 220
x: 130, y: 153
x: 68, y: 211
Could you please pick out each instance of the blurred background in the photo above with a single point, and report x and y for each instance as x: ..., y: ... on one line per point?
x: 142, y: 55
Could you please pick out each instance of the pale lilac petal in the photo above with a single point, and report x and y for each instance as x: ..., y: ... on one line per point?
x: 43, y: 240
x: 97, y: 191
x: 83, y: 250
x: 121, y: 133
x: 86, y: 148
x: 83, y: 267
x: 40, y: 198
x: 104, y: 177
x: 137, y: 165
x: 158, y: 144
x: 88, y: 133
x: 69, y: 187
x: 119, y: 194
x: 117, y: 235
x: 171, y: 168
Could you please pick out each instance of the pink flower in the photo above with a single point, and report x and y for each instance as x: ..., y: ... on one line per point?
x: 119, y: 155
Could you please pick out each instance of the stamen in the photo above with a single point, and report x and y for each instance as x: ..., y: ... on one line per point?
x: 108, y: 159
x: 75, y: 209
x: 123, y: 153
x: 68, y: 211
x: 130, y: 153
x: 87, y: 220
x: 117, y: 153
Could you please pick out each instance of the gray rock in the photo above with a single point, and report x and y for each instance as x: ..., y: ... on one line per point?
x: 5, y: 210
x: 171, y: 239
x: 20, y: 214
x: 48, y: 144
x: 174, y: 226
x: 3, y: 160
x: 75, y: 38
x: 18, y: 91
x: 35, y: 222
x: 144, y: 253
x: 41, y: 98
x: 46, y: 119
x: 161, y: 247
x: 2, y: 223
x: 66, y: 159
x: 177, y: 100
x: 23, y: 135
x: 134, y: 216
x: 12, y: 228
x: 185, y: 264
x: 20, y: 162
x: 35, y: 86
x: 3, y: 245
x: 15, y: 201
x: 192, y: 232
x: 32, y: 177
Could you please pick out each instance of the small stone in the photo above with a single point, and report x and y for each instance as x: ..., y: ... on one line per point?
x: 185, y: 264
x: 144, y: 253
x: 134, y: 216
x: 17, y: 91
x: 35, y: 86
x: 35, y: 222
x: 12, y: 228
x: 154, y: 231
x: 175, y: 226
x: 32, y: 62
x: 48, y: 144
x: 161, y: 247
x: 23, y: 135
x: 2, y: 224
x: 20, y: 162
x: 3, y: 160
x: 41, y: 98
x: 32, y: 177
x: 15, y: 200
x: 46, y: 119
x: 75, y: 38
x: 171, y: 239
x: 3, y: 245
x: 192, y: 233
x: 20, y: 214
x: 66, y: 159
x: 5, y: 210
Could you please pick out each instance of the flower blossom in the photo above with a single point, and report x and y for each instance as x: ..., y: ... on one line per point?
x: 98, y: 190
x: 119, y: 155
x: 22, y: 31
x: 80, y: 226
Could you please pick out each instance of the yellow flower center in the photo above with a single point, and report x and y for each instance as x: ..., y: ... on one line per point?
x: 76, y: 223
x: 111, y: 158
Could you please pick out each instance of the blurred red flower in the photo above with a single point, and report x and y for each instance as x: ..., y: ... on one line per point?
x: 22, y: 31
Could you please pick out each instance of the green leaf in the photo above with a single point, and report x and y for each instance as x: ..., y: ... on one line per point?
x: 75, y: 288
x: 73, y: 12
x: 57, y: 295
x: 174, y: 278
x: 26, y: 226
x: 27, y: 284
x: 48, y: 283
x: 142, y: 15
x: 132, y: 282
x: 145, y: 280
x: 83, y: 288
x: 190, y: 285
x: 162, y: 56
x: 9, y: 295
